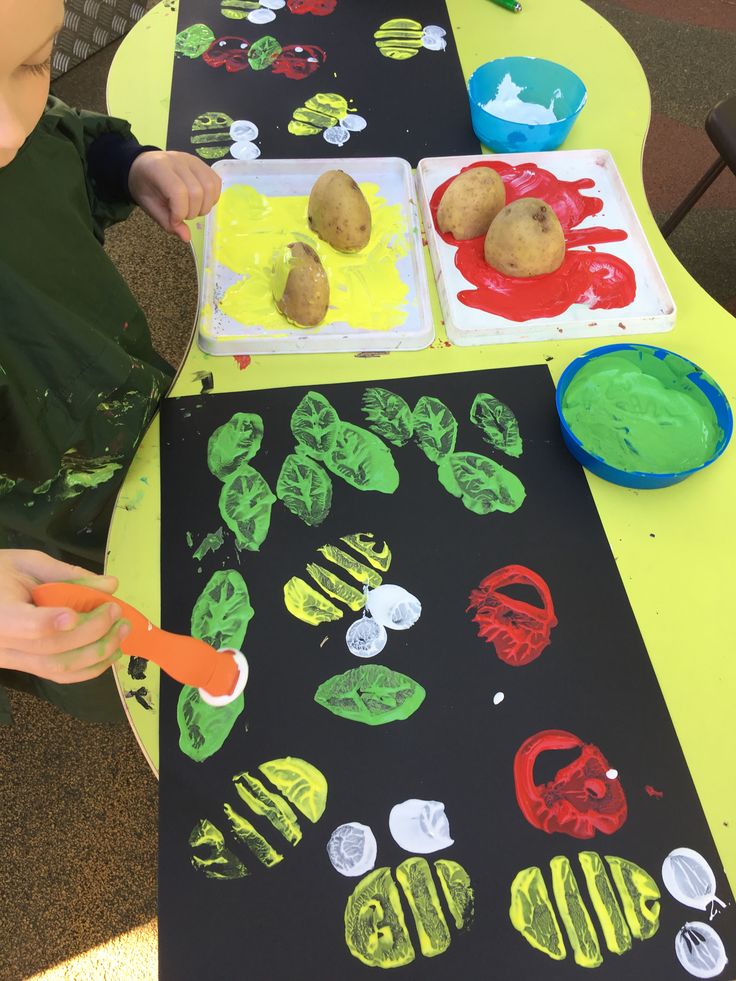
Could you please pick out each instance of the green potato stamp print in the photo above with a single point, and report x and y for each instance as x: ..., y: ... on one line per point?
x: 435, y: 428
x: 481, y: 484
x: 305, y: 489
x: 362, y: 460
x: 245, y: 506
x: 223, y: 611
x: 234, y: 443
x: 204, y: 728
x: 498, y: 423
x: 371, y: 694
x: 314, y: 424
x: 388, y: 415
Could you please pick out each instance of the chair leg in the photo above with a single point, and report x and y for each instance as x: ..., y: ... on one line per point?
x: 697, y: 192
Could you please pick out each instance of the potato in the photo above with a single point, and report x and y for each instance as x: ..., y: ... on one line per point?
x: 300, y: 285
x: 338, y: 212
x: 470, y: 203
x: 525, y: 239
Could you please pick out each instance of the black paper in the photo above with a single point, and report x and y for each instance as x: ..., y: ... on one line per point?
x: 414, y: 108
x: 594, y: 680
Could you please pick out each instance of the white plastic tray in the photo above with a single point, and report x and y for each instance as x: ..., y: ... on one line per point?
x: 218, y: 333
x: 652, y: 309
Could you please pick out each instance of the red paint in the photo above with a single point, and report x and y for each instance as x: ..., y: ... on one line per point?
x: 242, y: 361
x: 581, y: 799
x: 320, y: 8
x: 299, y: 61
x: 659, y: 794
x: 232, y: 52
x: 518, y: 631
x: 599, y: 280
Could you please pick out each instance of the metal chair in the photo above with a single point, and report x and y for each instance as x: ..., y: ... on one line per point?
x: 721, y: 128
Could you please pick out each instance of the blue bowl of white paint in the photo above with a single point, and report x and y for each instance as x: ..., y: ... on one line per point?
x: 524, y: 104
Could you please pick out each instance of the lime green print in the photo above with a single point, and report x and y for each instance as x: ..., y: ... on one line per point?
x: 193, y: 41
x: 307, y: 604
x: 499, y: 424
x: 210, y: 543
x: 219, y: 863
x: 362, y: 460
x: 314, y: 424
x: 458, y: 892
x: 271, y: 806
x: 482, y: 485
x: 371, y: 694
x: 639, y: 896
x: 641, y: 413
x: 388, y: 415
x: 263, y: 53
x: 190, y: 540
x: 415, y: 879
x: 364, y: 543
x: 222, y: 612
x: 356, y: 569
x: 245, y: 832
x: 575, y: 916
x: 613, y: 924
x: 533, y: 915
x: 300, y: 782
x: 245, y: 506
x: 375, y: 928
x: 234, y: 443
x: 204, y: 728
x: 335, y: 587
x: 305, y: 489
x: 435, y: 428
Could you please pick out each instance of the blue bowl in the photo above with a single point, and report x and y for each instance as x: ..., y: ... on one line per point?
x: 540, y: 82
x: 640, y: 478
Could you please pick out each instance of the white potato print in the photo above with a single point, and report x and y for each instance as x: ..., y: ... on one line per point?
x: 690, y: 879
x: 393, y: 606
x: 243, y: 129
x: 336, y: 135
x: 433, y: 38
x: 273, y: 4
x: 261, y: 16
x: 354, y: 123
x: 245, y: 150
x: 420, y: 826
x: 700, y: 950
x: 352, y: 849
x: 366, y: 638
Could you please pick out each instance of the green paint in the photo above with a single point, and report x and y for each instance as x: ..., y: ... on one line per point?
x: 458, y: 892
x: 263, y: 53
x: 6, y: 484
x: 314, y: 424
x: 482, y: 484
x: 245, y: 832
x: 641, y: 413
x: 95, y: 472
x: 203, y: 728
x: 362, y: 460
x: 388, y: 415
x: 305, y: 489
x: 219, y: 863
x: 375, y: 928
x: 435, y: 428
x: 234, y: 443
x: 371, y: 694
x: 193, y: 41
x: 245, y: 506
x: 190, y: 540
x: 222, y: 612
x: 499, y: 424
x: 210, y: 543
x: 271, y: 806
x: 44, y: 487
x: 415, y: 878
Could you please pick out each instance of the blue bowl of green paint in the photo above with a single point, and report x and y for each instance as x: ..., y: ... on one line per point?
x: 642, y: 416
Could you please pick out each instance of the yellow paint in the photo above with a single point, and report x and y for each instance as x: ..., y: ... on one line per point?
x: 639, y: 896
x: 533, y: 915
x: 613, y: 925
x: 415, y: 879
x: 307, y: 604
x: 323, y: 110
x: 271, y: 806
x: 335, y: 587
x: 364, y: 543
x: 399, y: 38
x: 300, y: 782
x: 366, y: 289
x: 356, y: 569
x: 573, y: 911
x: 245, y: 832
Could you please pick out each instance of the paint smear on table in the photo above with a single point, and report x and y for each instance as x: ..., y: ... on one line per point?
x: 641, y: 413
x: 366, y: 289
x: 597, y: 279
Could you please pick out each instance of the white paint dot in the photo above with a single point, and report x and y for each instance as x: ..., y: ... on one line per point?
x: 245, y: 150
x: 498, y: 698
x: 611, y: 774
x: 261, y: 16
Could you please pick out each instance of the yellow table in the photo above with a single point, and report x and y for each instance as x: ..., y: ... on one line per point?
x: 678, y: 582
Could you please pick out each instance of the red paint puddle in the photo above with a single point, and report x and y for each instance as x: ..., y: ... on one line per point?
x: 659, y: 794
x: 242, y: 361
x: 599, y: 280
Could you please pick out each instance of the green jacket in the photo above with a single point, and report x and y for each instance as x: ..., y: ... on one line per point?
x: 79, y: 379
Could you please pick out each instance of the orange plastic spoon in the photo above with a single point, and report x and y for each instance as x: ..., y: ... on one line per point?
x: 220, y: 675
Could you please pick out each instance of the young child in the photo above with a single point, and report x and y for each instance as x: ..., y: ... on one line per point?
x: 79, y: 379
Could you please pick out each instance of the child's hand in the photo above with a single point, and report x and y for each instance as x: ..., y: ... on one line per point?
x: 171, y: 186
x: 54, y: 642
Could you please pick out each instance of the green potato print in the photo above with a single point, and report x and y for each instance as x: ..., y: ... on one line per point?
x: 234, y: 443
x: 435, y: 428
x: 221, y: 615
x: 388, y: 415
x: 210, y: 543
x: 498, y: 423
x: 245, y: 506
x: 481, y: 484
x: 193, y: 41
x: 371, y: 694
x: 314, y: 424
x: 263, y: 53
x: 204, y: 728
x: 362, y: 460
x: 219, y: 863
x: 305, y: 489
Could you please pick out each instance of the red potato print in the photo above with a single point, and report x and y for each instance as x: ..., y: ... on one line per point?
x: 320, y: 8
x: 599, y: 280
x: 581, y: 800
x: 232, y: 52
x: 519, y: 631
x: 298, y: 61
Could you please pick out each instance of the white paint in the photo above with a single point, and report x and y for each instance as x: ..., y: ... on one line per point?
x: 690, y: 879
x: 612, y: 774
x: 336, y: 135
x: 498, y: 698
x: 433, y: 42
x: 432, y: 30
x: 393, y: 606
x: 273, y: 4
x: 354, y: 123
x: 507, y: 105
x: 245, y: 150
x: 700, y: 950
x: 366, y: 638
x: 352, y: 849
x: 420, y: 826
x: 261, y: 16
x: 243, y: 129
x: 219, y: 700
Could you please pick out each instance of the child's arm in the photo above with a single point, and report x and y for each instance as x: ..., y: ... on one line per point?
x: 54, y: 642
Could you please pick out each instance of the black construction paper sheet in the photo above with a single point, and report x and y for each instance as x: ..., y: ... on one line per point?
x: 594, y: 680
x: 226, y: 70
